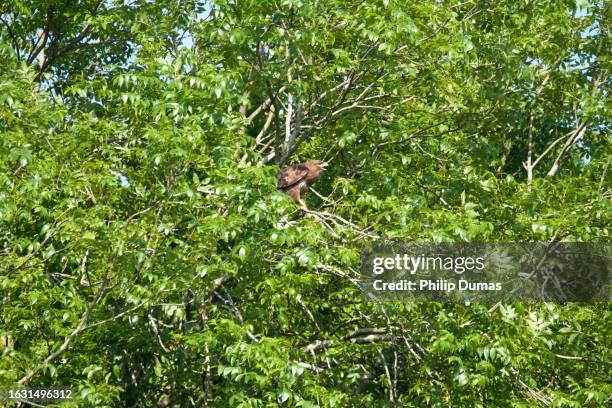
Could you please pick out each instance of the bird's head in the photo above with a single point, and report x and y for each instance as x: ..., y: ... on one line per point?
x: 320, y: 164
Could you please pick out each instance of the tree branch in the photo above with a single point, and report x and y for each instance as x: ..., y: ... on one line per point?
x: 82, y: 323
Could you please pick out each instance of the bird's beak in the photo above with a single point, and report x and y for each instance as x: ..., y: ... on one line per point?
x: 324, y: 165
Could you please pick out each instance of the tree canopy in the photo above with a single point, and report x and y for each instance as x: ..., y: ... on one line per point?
x: 147, y: 259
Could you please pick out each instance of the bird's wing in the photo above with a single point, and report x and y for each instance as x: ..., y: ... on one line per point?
x: 291, y: 175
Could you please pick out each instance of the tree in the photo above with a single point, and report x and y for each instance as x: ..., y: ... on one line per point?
x: 148, y: 259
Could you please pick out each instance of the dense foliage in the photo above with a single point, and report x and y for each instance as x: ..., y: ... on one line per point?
x: 148, y: 260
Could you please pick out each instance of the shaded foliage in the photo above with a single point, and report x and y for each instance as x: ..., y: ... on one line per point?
x: 147, y: 258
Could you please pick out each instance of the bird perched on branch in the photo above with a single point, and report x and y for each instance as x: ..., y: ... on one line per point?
x: 293, y: 180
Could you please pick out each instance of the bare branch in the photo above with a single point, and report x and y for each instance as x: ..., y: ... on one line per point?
x: 388, y: 375
x: 293, y: 134
x: 359, y: 336
x: 310, y: 367
x: 265, y: 127
x: 309, y: 313
x: 576, y: 136
x: 13, y: 38
x: 156, y: 331
x: 550, y: 147
x: 580, y: 127
x: 528, y: 164
x: 265, y: 104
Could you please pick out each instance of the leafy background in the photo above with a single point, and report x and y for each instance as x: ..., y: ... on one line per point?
x: 148, y: 260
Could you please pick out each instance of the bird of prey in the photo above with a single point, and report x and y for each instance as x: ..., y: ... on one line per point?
x: 293, y: 180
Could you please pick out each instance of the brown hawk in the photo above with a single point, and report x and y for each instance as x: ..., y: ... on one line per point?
x: 293, y: 180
